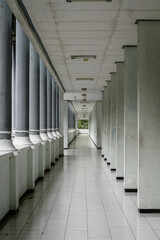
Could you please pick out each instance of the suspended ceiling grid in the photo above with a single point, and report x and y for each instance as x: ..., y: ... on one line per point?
x: 88, y: 28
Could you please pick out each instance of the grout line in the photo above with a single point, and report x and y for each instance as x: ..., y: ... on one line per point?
x: 86, y: 203
x: 119, y: 203
x: 54, y: 201
x: 54, y: 174
x: 101, y: 197
x: 146, y: 220
x: 70, y: 202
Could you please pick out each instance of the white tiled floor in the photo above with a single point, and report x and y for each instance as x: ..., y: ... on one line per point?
x: 80, y: 199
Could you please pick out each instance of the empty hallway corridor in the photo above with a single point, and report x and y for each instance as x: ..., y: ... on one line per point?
x: 80, y: 199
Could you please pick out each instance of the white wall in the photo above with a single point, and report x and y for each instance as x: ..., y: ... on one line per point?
x: 83, y: 131
x: 18, y: 172
x: 95, y: 124
x: 71, y: 135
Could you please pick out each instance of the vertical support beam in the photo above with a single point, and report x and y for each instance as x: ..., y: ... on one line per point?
x: 22, y: 89
x: 148, y: 116
x: 113, y: 122
x: 61, y: 117
x: 130, y: 118
x: 13, y: 72
x: 120, y: 120
x: 22, y: 138
x: 43, y: 114
x: 57, y: 120
x: 43, y: 101
x: 105, y: 123
x: 99, y: 126
x: 65, y: 124
x: 54, y: 118
x: 34, y: 125
x: 49, y: 104
x: 5, y: 77
x: 108, y: 123
x: 102, y: 124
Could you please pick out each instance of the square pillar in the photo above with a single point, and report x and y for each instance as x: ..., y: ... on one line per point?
x: 120, y: 120
x: 65, y: 122
x: 108, y: 121
x: 130, y: 119
x: 113, y: 122
x: 103, y: 120
x: 105, y: 123
x: 148, y: 116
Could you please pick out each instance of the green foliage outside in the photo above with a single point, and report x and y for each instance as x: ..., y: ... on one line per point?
x: 83, y: 124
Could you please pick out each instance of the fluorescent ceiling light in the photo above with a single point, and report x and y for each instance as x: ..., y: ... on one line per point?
x: 84, y: 79
x: 83, y: 89
x: 85, y: 58
x: 88, y: 0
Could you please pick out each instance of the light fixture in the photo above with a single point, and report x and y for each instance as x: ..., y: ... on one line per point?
x: 85, y: 58
x: 84, y: 79
x: 84, y: 105
x: 84, y: 95
x: 108, y: 80
x: 88, y: 1
x: 83, y: 89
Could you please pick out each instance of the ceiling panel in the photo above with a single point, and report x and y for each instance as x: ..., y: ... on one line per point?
x: 95, y: 28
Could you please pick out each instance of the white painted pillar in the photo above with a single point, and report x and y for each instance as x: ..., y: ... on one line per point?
x: 103, y: 126
x: 43, y: 113
x: 5, y: 77
x: 130, y: 119
x: 61, y: 117
x: 65, y: 124
x: 113, y: 122
x: 120, y: 120
x: 108, y: 122
x: 149, y: 116
x: 22, y: 89
x: 99, y: 126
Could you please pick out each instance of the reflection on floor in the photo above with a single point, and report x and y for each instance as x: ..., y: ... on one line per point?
x: 80, y: 199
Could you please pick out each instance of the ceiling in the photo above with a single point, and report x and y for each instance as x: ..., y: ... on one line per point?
x: 88, y: 28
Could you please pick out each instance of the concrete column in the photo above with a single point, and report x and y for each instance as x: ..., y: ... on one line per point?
x: 57, y: 121
x: 5, y: 77
x: 65, y: 124
x: 61, y: 117
x: 51, y: 143
x: 105, y: 124
x: 43, y: 112
x: 57, y: 108
x: 34, y: 109
x: 43, y: 101
x: 54, y: 119
x: 22, y: 89
x: 13, y: 73
x: 22, y: 139
x: 113, y: 122
x: 49, y: 104
x: 99, y: 126
x: 34, y: 96
x: 102, y: 124
x: 120, y: 120
x: 108, y: 122
x: 148, y: 116
x: 130, y: 119
x: 53, y: 107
